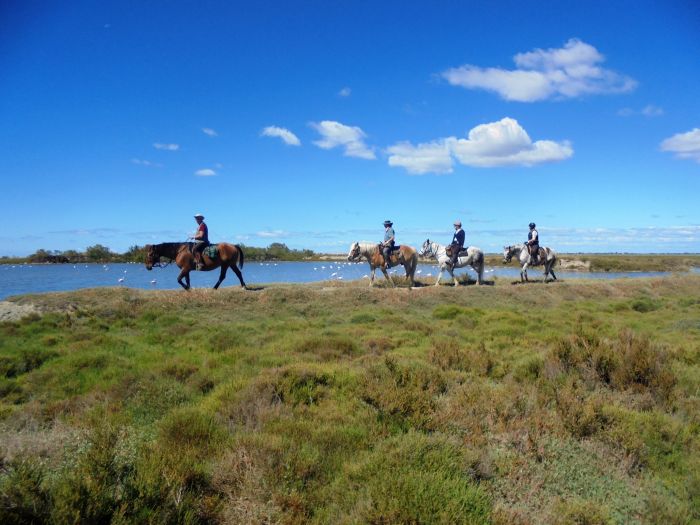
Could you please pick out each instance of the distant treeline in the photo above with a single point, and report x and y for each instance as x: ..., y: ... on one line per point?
x: 102, y: 254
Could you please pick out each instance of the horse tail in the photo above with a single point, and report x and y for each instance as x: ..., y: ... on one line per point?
x: 240, y: 259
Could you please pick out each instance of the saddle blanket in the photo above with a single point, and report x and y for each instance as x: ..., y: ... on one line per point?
x: 211, y: 251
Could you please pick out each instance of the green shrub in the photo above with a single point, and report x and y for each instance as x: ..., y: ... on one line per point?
x: 403, y: 394
x: 410, y: 478
x: 580, y: 512
x: 24, y: 497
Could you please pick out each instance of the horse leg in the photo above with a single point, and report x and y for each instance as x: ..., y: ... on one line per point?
x: 523, y: 273
x: 452, y: 274
x: 222, y: 276
x: 442, y: 269
x: 388, y: 277
x: 186, y: 275
x: 239, y: 275
x: 371, y: 277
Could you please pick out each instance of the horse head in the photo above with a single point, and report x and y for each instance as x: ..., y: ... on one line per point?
x: 425, y: 249
x: 354, y: 252
x: 152, y: 256
x: 507, y: 253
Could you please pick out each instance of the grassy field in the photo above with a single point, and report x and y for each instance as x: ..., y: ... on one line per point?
x: 572, y: 402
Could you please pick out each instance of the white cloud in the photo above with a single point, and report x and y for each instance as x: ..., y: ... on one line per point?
x: 431, y: 157
x: 287, y: 136
x: 502, y: 143
x: 351, y: 138
x: 684, y: 145
x: 210, y: 132
x: 140, y: 162
x: 167, y: 147
x: 647, y: 111
x: 206, y: 172
x: 272, y: 234
x: 345, y: 92
x: 566, y: 72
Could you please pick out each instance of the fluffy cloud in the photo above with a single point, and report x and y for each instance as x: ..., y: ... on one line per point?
x: 206, y: 172
x: 345, y: 92
x: 167, y: 147
x: 646, y: 111
x: 287, y: 136
x: 502, y: 143
x: 566, y: 72
x: 684, y: 145
x: 351, y: 138
x: 210, y: 132
x: 431, y: 157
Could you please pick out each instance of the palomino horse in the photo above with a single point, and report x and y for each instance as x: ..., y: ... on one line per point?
x: 404, y: 255
x: 228, y: 256
x: 547, y: 257
x: 474, y: 258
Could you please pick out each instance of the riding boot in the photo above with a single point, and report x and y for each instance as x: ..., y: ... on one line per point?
x: 198, y: 260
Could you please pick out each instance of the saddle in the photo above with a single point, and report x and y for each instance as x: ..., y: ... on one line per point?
x: 392, y: 253
x: 463, y: 251
x: 541, y: 255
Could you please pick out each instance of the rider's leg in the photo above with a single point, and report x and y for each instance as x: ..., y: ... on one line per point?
x: 386, y: 252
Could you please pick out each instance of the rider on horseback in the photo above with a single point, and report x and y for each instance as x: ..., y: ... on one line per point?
x: 533, y: 243
x: 457, y: 242
x: 201, y: 240
x: 388, y: 243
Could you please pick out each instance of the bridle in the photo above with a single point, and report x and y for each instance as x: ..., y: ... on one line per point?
x: 508, y: 257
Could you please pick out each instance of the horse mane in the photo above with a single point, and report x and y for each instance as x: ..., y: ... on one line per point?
x: 367, y: 246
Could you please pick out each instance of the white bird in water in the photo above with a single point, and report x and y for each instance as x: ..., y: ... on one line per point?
x: 154, y: 281
x: 120, y: 280
x: 334, y: 274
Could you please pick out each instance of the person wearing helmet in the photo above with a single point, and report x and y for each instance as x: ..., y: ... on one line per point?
x: 533, y: 243
x: 457, y: 242
x: 201, y: 240
x: 388, y: 243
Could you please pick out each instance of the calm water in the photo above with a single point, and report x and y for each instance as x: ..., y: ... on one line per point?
x: 37, y: 278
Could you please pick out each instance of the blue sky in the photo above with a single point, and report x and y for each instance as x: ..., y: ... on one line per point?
x: 310, y: 123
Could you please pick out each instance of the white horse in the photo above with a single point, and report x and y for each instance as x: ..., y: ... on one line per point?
x: 473, y: 258
x: 403, y: 255
x: 547, y: 257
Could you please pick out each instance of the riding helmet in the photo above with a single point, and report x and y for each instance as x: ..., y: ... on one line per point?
x: 458, y: 223
x: 198, y: 215
x: 532, y: 225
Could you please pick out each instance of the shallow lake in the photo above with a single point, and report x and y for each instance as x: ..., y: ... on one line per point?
x: 38, y: 278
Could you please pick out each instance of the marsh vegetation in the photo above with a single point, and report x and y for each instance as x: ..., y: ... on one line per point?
x: 575, y: 402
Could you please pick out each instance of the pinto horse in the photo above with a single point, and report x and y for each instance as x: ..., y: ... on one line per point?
x: 180, y: 252
x: 474, y: 258
x: 547, y: 257
x: 404, y: 255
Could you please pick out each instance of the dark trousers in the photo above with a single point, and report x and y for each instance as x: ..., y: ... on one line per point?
x: 455, y: 248
x: 198, y: 249
x: 386, y: 252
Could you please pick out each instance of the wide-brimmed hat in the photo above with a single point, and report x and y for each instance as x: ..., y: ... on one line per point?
x: 198, y: 216
x: 388, y: 223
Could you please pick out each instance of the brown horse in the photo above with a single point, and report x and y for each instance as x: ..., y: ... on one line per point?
x: 404, y: 255
x: 228, y: 256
